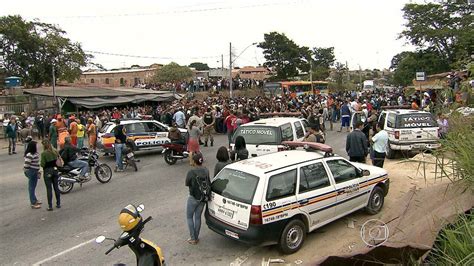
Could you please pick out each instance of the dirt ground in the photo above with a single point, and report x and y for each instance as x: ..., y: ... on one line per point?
x: 338, y: 237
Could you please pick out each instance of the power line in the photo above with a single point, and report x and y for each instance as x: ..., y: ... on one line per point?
x: 184, y: 11
x: 151, y: 57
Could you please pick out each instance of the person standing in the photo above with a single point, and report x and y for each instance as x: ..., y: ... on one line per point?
x: 195, y: 203
x: 31, y: 168
x: 73, y: 130
x: 345, y: 116
x: 51, y: 176
x: 356, y: 144
x: 120, y: 139
x: 92, y: 133
x: 229, y: 123
x: 11, y: 133
x: 240, y: 151
x: 81, y: 130
x: 193, y: 142
x: 179, y: 118
x: 53, y: 133
x: 379, y: 147
x: 39, y: 122
x: 222, y: 157
x: 208, y: 121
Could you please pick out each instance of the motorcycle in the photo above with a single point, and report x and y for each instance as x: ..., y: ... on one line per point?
x: 68, y: 175
x: 174, y: 151
x: 130, y: 220
x: 128, y: 156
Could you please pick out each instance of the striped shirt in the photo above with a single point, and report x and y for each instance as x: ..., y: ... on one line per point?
x: 32, y: 161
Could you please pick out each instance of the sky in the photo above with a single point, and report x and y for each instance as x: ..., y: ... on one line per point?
x: 362, y: 32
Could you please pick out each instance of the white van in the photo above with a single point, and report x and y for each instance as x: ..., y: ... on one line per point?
x: 278, y: 198
x: 266, y: 135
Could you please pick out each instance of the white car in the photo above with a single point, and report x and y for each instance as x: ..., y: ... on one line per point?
x: 266, y: 135
x: 409, y: 130
x: 278, y: 198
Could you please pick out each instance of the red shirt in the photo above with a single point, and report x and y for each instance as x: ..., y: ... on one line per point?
x: 229, y: 120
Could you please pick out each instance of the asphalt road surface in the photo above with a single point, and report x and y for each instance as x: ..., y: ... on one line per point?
x: 66, y: 236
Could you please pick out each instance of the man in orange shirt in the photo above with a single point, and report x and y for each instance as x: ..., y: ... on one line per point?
x: 73, y: 130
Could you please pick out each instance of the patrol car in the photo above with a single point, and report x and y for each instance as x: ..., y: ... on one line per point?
x: 278, y: 198
x: 266, y: 135
x: 409, y: 130
x: 147, y: 134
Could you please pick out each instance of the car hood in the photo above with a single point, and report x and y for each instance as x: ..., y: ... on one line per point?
x: 374, y: 170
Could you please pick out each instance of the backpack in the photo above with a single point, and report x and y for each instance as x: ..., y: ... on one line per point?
x: 204, y: 188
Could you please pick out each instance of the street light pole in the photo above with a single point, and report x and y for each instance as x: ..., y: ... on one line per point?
x: 230, y: 71
x: 54, y: 91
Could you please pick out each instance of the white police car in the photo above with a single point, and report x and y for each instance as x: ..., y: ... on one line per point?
x: 278, y: 198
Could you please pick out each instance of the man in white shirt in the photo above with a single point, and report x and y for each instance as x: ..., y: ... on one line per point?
x: 379, y: 147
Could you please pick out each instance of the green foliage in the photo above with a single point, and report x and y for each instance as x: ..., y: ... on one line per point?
x: 443, y: 26
x: 454, y: 244
x: 31, y: 48
x: 406, y: 64
x: 199, y: 66
x: 172, y: 72
x: 340, y: 74
x: 284, y: 56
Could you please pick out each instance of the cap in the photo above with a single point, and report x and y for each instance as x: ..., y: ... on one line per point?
x: 426, y: 94
x: 364, y: 105
x: 54, y: 120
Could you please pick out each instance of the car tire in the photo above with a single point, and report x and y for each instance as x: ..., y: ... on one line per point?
x: 390, y: 152
x: 376, y: 201
x: 292, y: 237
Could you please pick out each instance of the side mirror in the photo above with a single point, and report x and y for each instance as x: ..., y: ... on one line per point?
x: 365, y: 172
x: 100, y: 239
x: 140, y: 207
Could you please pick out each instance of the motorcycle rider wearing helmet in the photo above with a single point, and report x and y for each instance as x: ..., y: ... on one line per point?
x: 69, y: 155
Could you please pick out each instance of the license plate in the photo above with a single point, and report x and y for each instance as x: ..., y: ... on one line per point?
x: 232, y: 234
x: 418, y: 146
x: 130, y: 155
x: 226, y: 212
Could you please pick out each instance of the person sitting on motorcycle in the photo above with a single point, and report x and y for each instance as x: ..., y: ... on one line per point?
x: 69, y: 155
x: 175, y: 135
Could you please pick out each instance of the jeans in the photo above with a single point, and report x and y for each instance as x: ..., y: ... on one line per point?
x: 230, y: 132
x: 80, y: 142
x: 51, y: 179
x: 379, y: 159
x: 32, y: 175
x: 194, y: 210
x: 11, y: 145
x: 118, y: 155
x: 83, y: 165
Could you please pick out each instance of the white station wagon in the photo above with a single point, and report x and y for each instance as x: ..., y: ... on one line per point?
x: 278, y: 198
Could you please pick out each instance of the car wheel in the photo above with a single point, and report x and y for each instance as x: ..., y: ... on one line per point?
x: 376, y: 201
x: 390, y: 152
x: 293, y: 236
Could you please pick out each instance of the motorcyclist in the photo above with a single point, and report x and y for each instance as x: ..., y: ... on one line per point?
x: 175, y: 135
x: 69, y: 155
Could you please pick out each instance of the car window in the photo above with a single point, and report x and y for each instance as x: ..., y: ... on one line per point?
x: 106, y: 127
x: 416, y: 120
x: 135, y: 128
x: 391, y: 120
x: 153, y: 127
x: 382, y: 117
x: 312, y: 177
x: 305, y: 125
x: 299, y: 130
x: 236, y: 185
x: 286, y: 132
x: 282, y: 185
x: 342, y: 170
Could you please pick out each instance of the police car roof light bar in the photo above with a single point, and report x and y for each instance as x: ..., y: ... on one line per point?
x: 309, y: 146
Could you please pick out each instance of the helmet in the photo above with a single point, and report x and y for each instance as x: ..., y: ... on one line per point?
x: 129, y: 218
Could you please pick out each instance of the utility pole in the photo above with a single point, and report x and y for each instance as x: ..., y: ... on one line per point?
x: 222, y: 62
x: 311, y: 74
x: 54, y: 91
x: 230, y: 71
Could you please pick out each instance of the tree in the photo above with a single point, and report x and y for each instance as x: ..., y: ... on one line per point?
x: 443, y: 26
x: 284, y: 56
x: 323, y: 59
x: 199, y: 66
x: 340, y: 73
x: 406, y: 64
x: 31, y: 48
x: 172, y: 72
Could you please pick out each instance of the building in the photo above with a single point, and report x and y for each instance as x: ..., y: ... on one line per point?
x: 256, y: 73
x: 129, y: 77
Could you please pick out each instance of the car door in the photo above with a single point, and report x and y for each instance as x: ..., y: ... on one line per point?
x: 280, y: 196
x: 347, y: 178
x: 299, y: 130
x: 316, y: 193
x: 138, y: 133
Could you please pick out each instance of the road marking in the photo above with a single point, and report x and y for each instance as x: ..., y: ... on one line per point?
x: 64, y: 252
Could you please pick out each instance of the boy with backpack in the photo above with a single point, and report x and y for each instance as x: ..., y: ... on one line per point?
x: 199, y: 185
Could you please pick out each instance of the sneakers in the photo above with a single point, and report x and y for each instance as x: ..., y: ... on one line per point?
x: 36, y: 206
x: 192, y: 242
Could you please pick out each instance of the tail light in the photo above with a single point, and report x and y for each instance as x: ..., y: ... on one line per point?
x: 397, y: 134
x: 255, y: 214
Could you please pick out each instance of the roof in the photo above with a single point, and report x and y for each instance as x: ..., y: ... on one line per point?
x: 118, y: 71
x: 95, y: 97
x: 254, y: 69
x: 270, y: 162
x: 406, y: 111
x: 275, y: 121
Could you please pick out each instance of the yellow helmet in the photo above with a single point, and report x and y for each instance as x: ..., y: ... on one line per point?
x: 129, y: 218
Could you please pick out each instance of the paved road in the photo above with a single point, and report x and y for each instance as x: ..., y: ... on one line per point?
x: 66, y: 236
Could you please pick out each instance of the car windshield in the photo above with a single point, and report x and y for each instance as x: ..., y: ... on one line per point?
x: 415, y: 121
x: 257, y: 134
x: 105, y: 127
x: 235, y: 185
